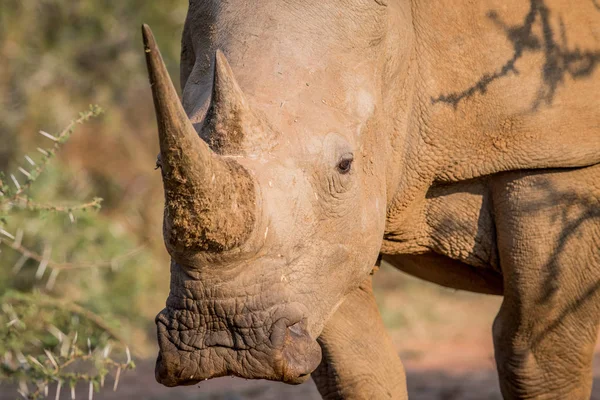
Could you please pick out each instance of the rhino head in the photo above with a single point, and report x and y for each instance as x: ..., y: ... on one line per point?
x: 273, y: 213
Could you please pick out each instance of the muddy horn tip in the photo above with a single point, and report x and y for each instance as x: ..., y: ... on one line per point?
x: 149, y: 41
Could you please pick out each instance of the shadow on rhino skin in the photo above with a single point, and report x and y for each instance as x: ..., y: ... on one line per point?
x: 559, y: 60
x: 588, y: 209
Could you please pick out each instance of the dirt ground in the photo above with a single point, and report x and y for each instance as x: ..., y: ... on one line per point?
x: 423, y: 384
x: 443, y: 337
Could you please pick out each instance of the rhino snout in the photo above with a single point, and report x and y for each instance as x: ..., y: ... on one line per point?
x: 287, y: 354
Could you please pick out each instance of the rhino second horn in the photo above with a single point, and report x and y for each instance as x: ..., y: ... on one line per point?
x: 231, y: 126
x: 210, y: 202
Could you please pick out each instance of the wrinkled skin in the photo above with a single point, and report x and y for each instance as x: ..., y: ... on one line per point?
x: 458, y: 141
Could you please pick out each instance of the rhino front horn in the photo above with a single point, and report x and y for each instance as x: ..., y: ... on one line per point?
x: 210, y: 202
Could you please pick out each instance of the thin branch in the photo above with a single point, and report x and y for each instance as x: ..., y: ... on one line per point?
x: 71, y: 266
x: 31, y: 205
x: 49, y: 302
x: 63, y: 136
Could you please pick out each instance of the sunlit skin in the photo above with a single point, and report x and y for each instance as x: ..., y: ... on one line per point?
x: 314, y: 137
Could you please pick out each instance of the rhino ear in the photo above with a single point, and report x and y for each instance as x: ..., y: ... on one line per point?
x: 231, y: 126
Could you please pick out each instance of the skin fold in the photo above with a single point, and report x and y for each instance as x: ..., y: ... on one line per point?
x: 457, y: 140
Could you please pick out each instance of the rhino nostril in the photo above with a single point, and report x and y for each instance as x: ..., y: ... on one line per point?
x: 297, y: 329
x: 301, y: 353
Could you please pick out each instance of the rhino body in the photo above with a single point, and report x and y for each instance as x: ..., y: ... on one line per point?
x: 457, y: 140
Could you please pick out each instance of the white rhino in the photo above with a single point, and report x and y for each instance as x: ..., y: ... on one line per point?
x: 457, y: 140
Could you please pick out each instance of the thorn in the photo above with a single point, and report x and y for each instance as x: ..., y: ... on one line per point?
x: 2, y: 231
x: 43, y: 264
x: 21, y: 358
x: 35, y: 361
x: 57, y: 333
x: 51, y: 358
x: 24, y: 172
x: 44, y: 152
x: 89, y: 344
x: 23, y: 387
x: 91, y: 392
x: 29, y: 160
x: 58, y: 387
x: 20, y: 264
x: 72, y: 392
x: 118, y: 375
x: 71, y: 217
x: 266, y: 232
x: 106, y: 351
x: 19, y: 239
x: 49, y: 136
x: 16, y: 182
x: 73, y: 348
x: 65, y: 345
x: 52, y: 279
x: 128, y: 354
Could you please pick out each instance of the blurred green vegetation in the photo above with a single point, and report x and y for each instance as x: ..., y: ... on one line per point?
x: 39, y: 326
x: 58, y: 56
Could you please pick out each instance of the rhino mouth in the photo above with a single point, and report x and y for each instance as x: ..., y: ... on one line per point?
x: 273, y: 344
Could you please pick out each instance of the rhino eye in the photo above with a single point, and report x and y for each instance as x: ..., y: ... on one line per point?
x: 345, y: 164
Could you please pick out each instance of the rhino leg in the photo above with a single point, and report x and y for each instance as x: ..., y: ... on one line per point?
x: 359, y: 359
x: 548, y: 228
